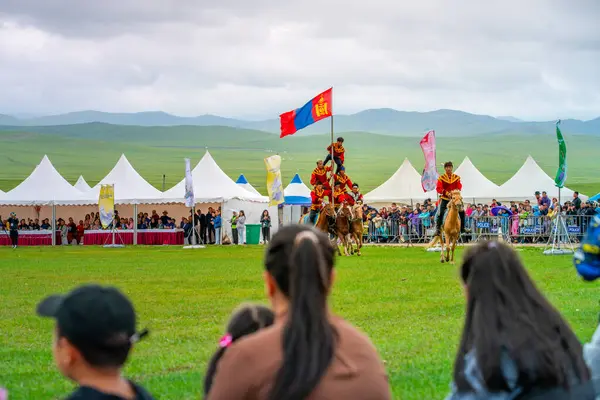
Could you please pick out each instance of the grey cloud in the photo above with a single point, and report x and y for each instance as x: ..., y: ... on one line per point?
x: 532, y: 59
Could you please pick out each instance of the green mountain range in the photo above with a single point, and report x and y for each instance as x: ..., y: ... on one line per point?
x: 382, y: 121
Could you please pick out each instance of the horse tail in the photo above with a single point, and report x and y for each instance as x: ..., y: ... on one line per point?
x: 436, y: 239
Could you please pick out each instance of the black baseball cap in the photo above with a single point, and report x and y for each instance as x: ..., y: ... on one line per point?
x: 99, y: 321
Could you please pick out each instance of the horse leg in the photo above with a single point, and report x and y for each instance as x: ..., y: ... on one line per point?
x: 453, y: 247
x: 334, y: 243
x: 345, y: 244
x: 358, y: 243
x: 442, y: 250
x: 448, y: 240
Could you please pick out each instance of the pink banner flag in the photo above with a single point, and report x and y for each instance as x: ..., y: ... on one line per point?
x: 430, y: 175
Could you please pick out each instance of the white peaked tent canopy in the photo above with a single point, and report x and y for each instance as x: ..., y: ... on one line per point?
x: 402, y: 187
x: 529, y: 179
x: 243, y: 182
x: 211, y: 185
x: 476, y: 187
x: 82, y: 185
x: 130, y: 187
x: 297, y: 193
x: 45, y: 186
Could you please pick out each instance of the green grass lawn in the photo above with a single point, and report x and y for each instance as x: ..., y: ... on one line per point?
x: 410, y: 305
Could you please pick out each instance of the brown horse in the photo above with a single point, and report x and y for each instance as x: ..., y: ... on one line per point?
x: 342, y: 228
x: 451, y: 227
x: 356, y: 227
x: 326, y: 222
x: 326, y: 215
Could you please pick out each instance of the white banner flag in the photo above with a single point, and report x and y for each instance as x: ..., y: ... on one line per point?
x: 189, y: 185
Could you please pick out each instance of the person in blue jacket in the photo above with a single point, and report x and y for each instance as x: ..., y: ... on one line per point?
x: 217, y: 224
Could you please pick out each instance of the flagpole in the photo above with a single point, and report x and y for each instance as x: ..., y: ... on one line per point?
x: 332, y: 163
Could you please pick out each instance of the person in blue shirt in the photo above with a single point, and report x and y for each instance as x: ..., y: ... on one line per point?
x: 217, y: 225
x: 587, y: 263
x: 514, y: 344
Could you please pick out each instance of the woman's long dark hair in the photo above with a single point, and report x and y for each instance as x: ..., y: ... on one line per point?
x: 300, y: 259
x: 507, y: 313
x: 247, y: 319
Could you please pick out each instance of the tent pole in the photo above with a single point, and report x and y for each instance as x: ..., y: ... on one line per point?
x: 135, y: 223
x: 53, y: 224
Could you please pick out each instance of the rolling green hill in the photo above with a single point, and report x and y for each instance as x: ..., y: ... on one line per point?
x: 384, y: 121
x: 93, y: 149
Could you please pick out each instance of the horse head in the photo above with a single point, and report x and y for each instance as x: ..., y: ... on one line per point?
x: 457, y: 200
x: 357, y: 211
x: 328, y: 210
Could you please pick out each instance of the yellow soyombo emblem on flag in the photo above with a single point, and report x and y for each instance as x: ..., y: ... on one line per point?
x: 106, y: 205
x: 274, y: 184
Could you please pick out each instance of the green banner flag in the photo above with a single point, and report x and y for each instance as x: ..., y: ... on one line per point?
x: 561, y: 174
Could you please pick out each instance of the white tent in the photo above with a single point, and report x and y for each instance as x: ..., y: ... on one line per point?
x: 212, y: 185
x: 403, y: 187
x: 296, y: 195
x: 243, y: 182
x: 529, y: 179
x: 82, y: 185
x: 476, y: 187
x: 130, y: 187
x: 45, y: 186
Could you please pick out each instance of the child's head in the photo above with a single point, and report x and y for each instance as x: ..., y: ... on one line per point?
x: 247, y: 319
x: 95, y: 330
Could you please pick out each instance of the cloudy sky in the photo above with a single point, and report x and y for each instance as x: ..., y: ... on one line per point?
x: 534, y: 59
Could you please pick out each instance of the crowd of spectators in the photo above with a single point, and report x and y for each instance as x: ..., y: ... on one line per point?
x: 416, y: 223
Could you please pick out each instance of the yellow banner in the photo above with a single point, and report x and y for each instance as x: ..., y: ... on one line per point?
x: 106, y: 204
x: 274, y: 185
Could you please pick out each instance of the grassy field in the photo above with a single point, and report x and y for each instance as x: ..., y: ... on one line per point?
x: 93, y: 149
x: 409, y: 304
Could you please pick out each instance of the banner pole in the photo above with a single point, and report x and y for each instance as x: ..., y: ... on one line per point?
x: 332, y: 164
x: 194, y: 225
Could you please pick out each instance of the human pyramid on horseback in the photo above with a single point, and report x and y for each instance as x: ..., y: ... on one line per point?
x: 450, y: 218
x: 341, y: 217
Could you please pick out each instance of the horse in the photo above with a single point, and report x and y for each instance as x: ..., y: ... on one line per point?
x: 451, y: 227
x: 342, y: 228
x: 326, y: 222
x: 356, y: 227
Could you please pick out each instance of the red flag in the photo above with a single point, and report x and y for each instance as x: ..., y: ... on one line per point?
x: 320, y: 107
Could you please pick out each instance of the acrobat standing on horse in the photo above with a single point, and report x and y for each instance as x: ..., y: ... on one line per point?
x: 319, y: 174
x: 447, y: 183
x: 340, y: 198
x: 338, y: 151
x: 354, y: 196
x: 317, y: 195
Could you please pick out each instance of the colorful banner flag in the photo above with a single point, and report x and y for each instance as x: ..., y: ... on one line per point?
x: 430, y: 174
x: 106, y: 205
x: 561, y: 174
x: 274, y: 184
x: 189, y: 185
x: 315, y: 110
